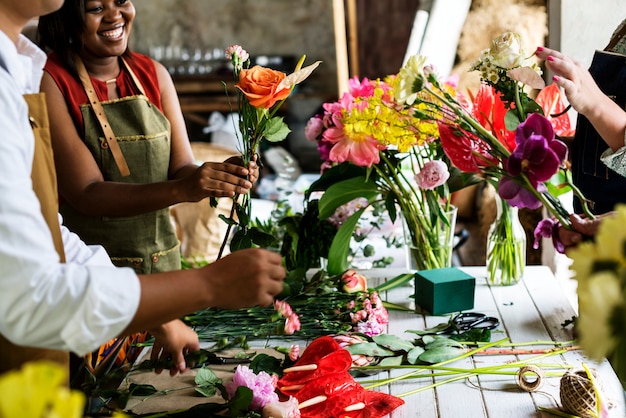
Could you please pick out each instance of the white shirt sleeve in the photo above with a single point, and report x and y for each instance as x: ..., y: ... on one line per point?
x: 76, y: 306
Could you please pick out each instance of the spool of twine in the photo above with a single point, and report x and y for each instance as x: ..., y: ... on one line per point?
x: 577, y: 393
x: 530, y: 378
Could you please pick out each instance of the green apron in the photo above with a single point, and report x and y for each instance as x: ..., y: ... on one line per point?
x: 45, y: 187
x: 148, y: 242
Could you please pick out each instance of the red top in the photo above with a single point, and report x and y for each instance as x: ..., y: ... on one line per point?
x: 74, y: 93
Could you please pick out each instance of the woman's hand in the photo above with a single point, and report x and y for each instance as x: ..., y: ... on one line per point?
x: 172, y: 341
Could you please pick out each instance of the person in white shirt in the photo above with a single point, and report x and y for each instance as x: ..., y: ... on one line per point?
x: 81, y: 303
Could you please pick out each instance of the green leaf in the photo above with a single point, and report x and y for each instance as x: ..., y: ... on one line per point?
x: 413, y: 356
x: 266, y: 363
x: 340, y: 247
x: 333, y: 175
x: 229, y: 221
x: 391, y: 361
x: 369, y: 349
x: 393, y: 342
x: 261, y: 238
x: 240, y: 240
x: 141, y: 390
x: 399, y: 280
x: 206, y: 391
x: 443, y: 353
x: 239, y: 404
x: 345, y: 191
x: 442, y: 342
x: 276, y: 130
x: 205, y: 376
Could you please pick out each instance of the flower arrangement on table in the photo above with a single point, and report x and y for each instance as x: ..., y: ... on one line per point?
x: 503, y: 135
x: 261, y: 92
x: 375, y: 148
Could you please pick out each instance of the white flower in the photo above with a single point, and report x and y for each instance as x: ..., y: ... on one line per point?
x: 410, y: 80
x: 507, y: 51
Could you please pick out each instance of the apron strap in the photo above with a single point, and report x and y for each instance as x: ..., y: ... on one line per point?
x: 102, y: 118
x: 134, y: 77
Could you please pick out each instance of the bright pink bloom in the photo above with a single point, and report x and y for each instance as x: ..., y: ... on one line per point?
x: 263, y: 386
x: 433, y: 174
x: 518, y: 196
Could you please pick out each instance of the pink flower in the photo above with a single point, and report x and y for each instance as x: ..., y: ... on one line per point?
x: 549, y: 228
x: 353, y: 282
x: 362, y: 151
x: 283, y: 308
x: 433, y: 174
x: 292, y: 324
x: 313, y: 128
x: 263, y: 386
x: 294, y: 352
x: 287, y: 409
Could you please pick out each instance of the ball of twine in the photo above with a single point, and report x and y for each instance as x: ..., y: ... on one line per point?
x: 577, y: 393
x: 530, y: 378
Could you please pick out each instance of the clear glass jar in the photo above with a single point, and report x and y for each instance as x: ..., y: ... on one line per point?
x: 506, y: 246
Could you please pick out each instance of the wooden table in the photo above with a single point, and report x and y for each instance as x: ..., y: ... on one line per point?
x: 530, y: 311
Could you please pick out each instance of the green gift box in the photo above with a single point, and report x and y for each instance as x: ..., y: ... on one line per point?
x: 444, y: 290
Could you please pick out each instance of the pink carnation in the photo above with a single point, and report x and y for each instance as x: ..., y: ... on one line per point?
x: 313, y: 128
x: 292, y: 324
x: 263, y: 386
x: 283, y: 308
x: 433, y: 174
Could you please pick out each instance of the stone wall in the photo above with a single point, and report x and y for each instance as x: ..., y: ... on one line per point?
x: 262, y: 27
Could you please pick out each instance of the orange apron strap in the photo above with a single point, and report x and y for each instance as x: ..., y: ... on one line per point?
x: 102, y: 118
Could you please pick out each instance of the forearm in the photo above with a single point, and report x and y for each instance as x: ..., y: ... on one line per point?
x: 113, y: 199
x: 166, y: 296
x: 609, y: 120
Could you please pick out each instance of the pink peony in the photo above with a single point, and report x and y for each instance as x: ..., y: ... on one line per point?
x: 263, y: 386
x: 433, y: 174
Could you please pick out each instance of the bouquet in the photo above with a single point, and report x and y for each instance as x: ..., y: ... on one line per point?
x: 600, y: 269
x: 260, y: 91
x: 375, y: 148
x: 510, y: 142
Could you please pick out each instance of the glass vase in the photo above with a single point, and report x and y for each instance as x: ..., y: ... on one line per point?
x: 506, y: 246
x: 425, y: 251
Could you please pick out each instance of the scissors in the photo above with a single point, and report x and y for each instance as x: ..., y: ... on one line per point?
x: 466, y: 321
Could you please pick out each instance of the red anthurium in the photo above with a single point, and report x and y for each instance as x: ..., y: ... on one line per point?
x: 551, y: 101
x: 328, y: 390
x: 489, y: 111
x: 466, y: 151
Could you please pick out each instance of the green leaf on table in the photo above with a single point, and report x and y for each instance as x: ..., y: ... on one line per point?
x: 343, y: 192
x: 439, y: 354
x: 206, y: 391
x: 369, y: 349
x: 393, y: 342
x: 266, y: 363
x: 442, y: 342
x: 141, y: 390
x: 276, y: 129
x: 413, y: 356
x: 391, y: 361
x: 205, y: 376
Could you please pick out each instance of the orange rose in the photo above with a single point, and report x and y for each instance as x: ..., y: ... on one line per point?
x: 259, y: 84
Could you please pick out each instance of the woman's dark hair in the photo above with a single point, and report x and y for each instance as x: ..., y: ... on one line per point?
x: 60, y: 32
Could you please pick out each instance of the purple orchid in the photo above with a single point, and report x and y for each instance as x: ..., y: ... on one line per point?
x: 538, y: 155
x: 549, y: 228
